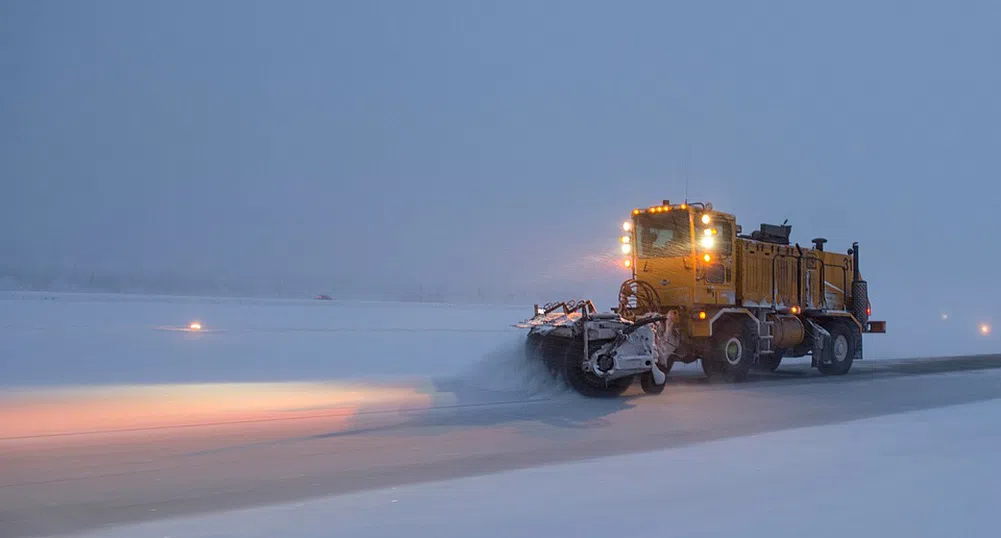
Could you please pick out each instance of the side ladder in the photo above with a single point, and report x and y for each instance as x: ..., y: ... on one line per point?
x: 765, y: 334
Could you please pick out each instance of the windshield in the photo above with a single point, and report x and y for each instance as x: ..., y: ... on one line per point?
x: 663, y: 235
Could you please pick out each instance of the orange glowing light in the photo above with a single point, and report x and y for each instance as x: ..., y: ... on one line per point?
x: 795, y: 310
x: 189, y: 406
x: 707, y: 258
x: 195, y: 326
x: 985, y: 329
x: 627, y: 263
x: 702, y: 314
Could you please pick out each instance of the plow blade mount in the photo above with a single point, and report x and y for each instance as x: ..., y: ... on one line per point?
x: 596, y: 354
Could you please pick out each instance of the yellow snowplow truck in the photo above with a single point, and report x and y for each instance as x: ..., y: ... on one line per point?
x: 701, y: 290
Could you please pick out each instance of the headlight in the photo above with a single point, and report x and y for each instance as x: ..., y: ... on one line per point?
x: 626, y: 226
x: 626, y: 248
x: 708, y: 241
x: 706, y: 219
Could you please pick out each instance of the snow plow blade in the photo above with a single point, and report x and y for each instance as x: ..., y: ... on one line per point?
x: 598, y: 354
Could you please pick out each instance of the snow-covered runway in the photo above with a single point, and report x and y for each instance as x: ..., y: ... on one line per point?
x: 922, y: 474
x: 108, y: 420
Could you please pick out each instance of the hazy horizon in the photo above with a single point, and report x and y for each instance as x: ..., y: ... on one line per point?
x: 498, y: 146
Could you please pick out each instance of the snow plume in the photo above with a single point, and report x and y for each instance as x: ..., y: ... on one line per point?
x: 505, y: 373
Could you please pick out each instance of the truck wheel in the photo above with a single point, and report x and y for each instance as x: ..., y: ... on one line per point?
x: 586, y: 383
x: 845, y: 341
x: 732, y: 350
x: 707, y: 367
x: 648, y: 385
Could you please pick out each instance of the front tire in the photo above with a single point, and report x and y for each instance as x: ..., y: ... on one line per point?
x: 732, y: 350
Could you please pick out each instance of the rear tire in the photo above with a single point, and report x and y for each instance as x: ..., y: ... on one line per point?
x: 732, y: 350
x: 846, y: 339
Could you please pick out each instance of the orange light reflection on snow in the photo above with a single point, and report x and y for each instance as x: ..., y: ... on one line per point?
x: 123, y: 408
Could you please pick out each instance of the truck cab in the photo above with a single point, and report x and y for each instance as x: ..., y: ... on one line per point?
x: 685, y: 252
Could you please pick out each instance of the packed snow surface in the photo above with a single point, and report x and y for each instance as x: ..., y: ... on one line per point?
x: 101, y: 364
x: 921, y: 474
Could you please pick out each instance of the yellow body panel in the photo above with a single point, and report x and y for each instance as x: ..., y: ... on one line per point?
x: 696, y: 265
x: 783, y: 276
x: 767, y: 274
x: 685, y: 278
x: 673, y: 278
x: 741, y: 272
x: 701, y: 328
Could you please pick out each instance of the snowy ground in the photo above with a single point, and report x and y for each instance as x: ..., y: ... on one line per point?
x: 920, y: 474
x: 66, y: 338
x: 113, y: 413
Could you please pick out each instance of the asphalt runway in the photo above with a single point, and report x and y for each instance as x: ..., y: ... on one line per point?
x: 64, y: 469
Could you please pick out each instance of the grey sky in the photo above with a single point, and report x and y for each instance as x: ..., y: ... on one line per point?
x: 490, y: 143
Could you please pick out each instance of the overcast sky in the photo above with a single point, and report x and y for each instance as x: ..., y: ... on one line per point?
x: 499, y: 143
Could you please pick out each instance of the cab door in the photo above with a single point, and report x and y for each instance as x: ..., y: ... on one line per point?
x: 714, y: 279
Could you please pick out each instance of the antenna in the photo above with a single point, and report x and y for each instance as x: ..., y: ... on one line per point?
x: 688, y: 164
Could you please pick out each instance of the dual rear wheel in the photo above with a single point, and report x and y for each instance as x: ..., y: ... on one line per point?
x: 731, y: 357
x: 842, y: 349
x: 734, y: 344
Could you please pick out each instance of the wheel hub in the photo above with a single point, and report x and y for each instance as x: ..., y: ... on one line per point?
x: 733, y: 351
x: 840, y: 348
